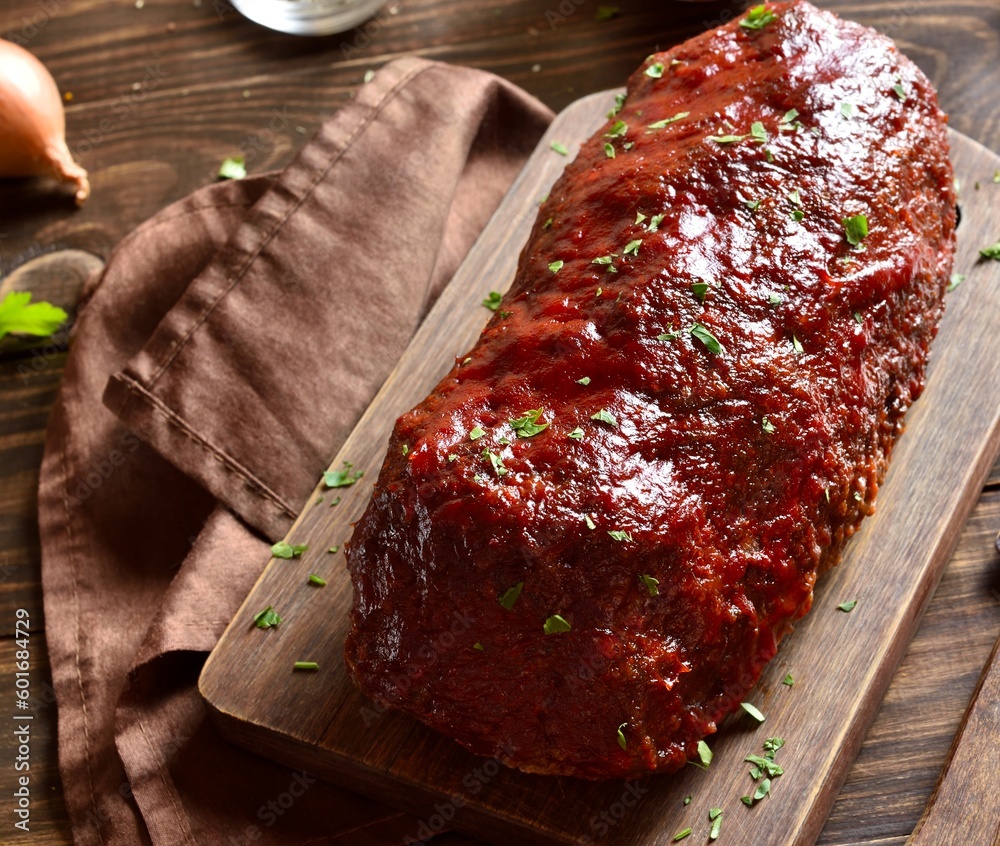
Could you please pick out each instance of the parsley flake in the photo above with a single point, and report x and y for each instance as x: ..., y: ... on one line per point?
x: 287, y: 551
x: 605, y: 416
x: 848, y: 606
x: 547, y: 224
x: 682, y: 834
x: 704, y: 754
x: 655, y: 71
x: 618, y: 130
x: 476, y: 433
x: 652, y: 584
x: 699, y: 289
x: 510, y: 596
x: 855, y: 229
x: 767, y: 425
x: 848, y: 110
x: 899, y: 90
x: 305, y: 665
x: 590, y: 522
x: 788, y: 680
x: 496, y: 461
x: 20, y: 316
x: 267, y: 619
x: 715, y: 815
x: 654, y: 222
x: 632, y: 248
x: 492, y: 302
x: 753, y: 711
x: 333, y: 550
x: 528, y: 425
x: 584, y: 381
x: 798, y: 215
x: 609, y: 149
x: 233, y: 168
x: 758, y: 17
x: 668, y: 336
x: 795, y: 198
x: 775, y: 299
x: 753, y: 205
x: 477, y: 646
x: 342, y: 478
x: 726, y: 139
x: 576, y: 434
x: 758, y: 132
x: 319, y: 581
x: 621, y: 736
x: 991, y: 252
x: 452, y: 458
x: 559, y: 148
x: 639, y: 218
x: 710, y: 342
x: 606, y: 261
x: 556, y: 266
x: 859, y: 318
x: 956, y: 280
x: 555, y: 625
x: 607, y: 13
x: 663, y: 124
x: 790, y: 116
x: 797, y: 345
x: 620, y: 536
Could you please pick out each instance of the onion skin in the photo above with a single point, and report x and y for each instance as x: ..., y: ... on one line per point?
x: 33, y: 124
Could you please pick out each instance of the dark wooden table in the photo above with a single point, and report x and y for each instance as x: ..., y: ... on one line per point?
x: 161, y: 94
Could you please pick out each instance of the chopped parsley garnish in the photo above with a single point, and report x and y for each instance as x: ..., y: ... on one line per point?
x: 283, y: 549
x: 758, y: 17
x: 342, y: 478
x: 763, y: 766
x: 492, y: 302
x: 753, y: 205
x: 775, y: 299
x: 619, y: 105
x: 859, y: 318
x: 583, y: 381
x: 556, y: 266
x: 547, y: 224
x: 797, y: 344
x: 663, y: 124
x: 668, y: 336
x: 233, y: 168
x: 609, y: 150
x: 767, y: 425
x: 710, y: 342
x: 753, y: 711
x: 476, y: 433
x: 715, y: 815
x: 605, y: 416
x: 758, y: 132
x: 305, y: 665
x: 319, y: 581
x: 991, y: 252
x: 477, y: 646
x: 682, y: 834
x: 699, y: 289
x: 848, y: 606
x: 958, y: 278
x: 20, y: 316
x: 621, y: 736
x: 856, y: 229
x: 848, y: 110
x: 405, y: 449
x: 333, y: 550
x: 559, y: 148
x: 795, y: 198
x: 555, y: 625
x: 655, y: 71
x: 528, y: 425
x: 899, y: 90
x: 620, y: 536
x: 632, y: 248
x: 590, y: 522
x: 607, y: 13
x: 652, y: 584
x: 607, y: 261
x: 452, y: 458
x: 496, y: 461
x: 267, y: 619
x: 797, y: 215
x: 639, y: 218
x: 704, y: 754
x: 655, y: 221
x: 576, y: 434
x: 790, y: 116
x: 504, y: 314
x: 510, y: 596
x: 726, y: 139
x: 618, y: 130
x: 788, y: 680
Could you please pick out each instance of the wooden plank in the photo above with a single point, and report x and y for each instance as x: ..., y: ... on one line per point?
x: 842, y: 663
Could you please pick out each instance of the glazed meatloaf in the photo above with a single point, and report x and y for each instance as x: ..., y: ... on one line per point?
x: 586, y: 543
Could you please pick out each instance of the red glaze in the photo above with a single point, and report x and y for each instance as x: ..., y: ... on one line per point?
x: 734, y: 521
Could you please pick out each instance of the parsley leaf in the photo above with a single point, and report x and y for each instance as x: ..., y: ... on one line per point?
x: 528, y: 426
x: 652, y: 584
x: 476, y: 433
x: 699, y: 289
x: 958, y: 278
x: 790, y: 116
x: 753, y: 711
x: 584, y: 381
x: 991, y: 252
x: 709, y: 340
x: 305, y: 665
x: 510, y: 596
x: 655, y: 221
x: 662, y: 124
x: 492, y: 302
x: 267, y: 619
x: 758, y: 132
x: 287, y: 551
x: 620, y: 536
x: 20, y: 316
x: 605, y: 416
x: 855, y: 229
x: 233, y: 168
x: 668, y: 336
x: 496, y: 461
x: 559, y: 148
x: 899, y: 90
x: 556, y: 266
x: 342, y: 478
x: 590, y: 522
x: 576, y: 434
x: 767, y: 425
x: 609, y: 150
x: 319, y: 581
x: 607, y: 261
x: 607, y: 13
x: 621, y: 736
x: 632, y: 248
x: 726, y: 139
x: 848, y: 110
x: 682, y: 834
x: 848, y: 606
x: 704, y: 754
x: 788, y: 680
x: 758, y: 17
x: 555, y: 625
x: 655, y: 71
x: 618, y: 130
x: 715, y: 815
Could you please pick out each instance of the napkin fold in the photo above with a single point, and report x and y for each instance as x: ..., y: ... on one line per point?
x: 230, y: 345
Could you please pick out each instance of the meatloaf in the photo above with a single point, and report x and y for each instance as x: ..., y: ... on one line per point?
x: 586, y: 543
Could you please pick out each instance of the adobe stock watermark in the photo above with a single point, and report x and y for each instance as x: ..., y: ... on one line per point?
x: 121, y: 107
x: 261, y: 142
x: 31, y: 25
x: 364, y: 35
x: 273, y: 809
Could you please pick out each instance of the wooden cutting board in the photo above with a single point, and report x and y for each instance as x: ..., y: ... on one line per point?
x: 841, y: 662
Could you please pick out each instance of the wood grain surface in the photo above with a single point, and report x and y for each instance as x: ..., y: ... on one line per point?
x: 224, y: 85
x: 842, y: 663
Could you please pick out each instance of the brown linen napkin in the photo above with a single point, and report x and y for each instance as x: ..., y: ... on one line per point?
x: 244, y: 330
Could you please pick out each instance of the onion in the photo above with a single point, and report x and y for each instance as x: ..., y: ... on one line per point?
x: 32, y: 122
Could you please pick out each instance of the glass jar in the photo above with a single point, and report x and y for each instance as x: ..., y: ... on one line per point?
x: 308, y: 17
